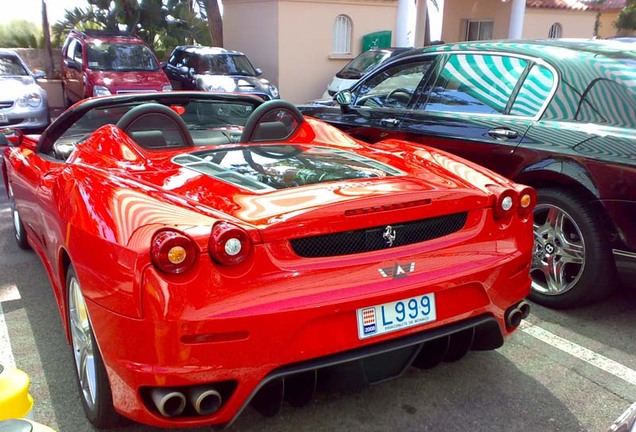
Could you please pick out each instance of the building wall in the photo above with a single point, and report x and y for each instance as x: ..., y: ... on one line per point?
x: 252, y: 27
x: 457, y: 12
x: 298, y: 35
x: 606, y: 24
x: 575, y: 24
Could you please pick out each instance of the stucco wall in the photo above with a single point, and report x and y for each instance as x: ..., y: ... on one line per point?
x: 304, y: 31
x: 606, y: 24
x: 456, y: 13
x: 575, y: 24
x: 251, y: 26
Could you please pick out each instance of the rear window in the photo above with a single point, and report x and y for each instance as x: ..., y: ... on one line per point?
x: 267, y: 168
x: 609, y: 102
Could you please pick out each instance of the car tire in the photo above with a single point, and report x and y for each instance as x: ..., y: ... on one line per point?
x: 94, y: 387
x: 572, y: 261
x: 18, y: 227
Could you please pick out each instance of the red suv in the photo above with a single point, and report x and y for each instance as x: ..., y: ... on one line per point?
x: 99, y: 63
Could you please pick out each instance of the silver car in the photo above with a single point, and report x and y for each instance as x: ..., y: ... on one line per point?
x: 23, y: 103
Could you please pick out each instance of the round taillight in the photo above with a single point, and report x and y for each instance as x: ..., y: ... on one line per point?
x: 527, y: 200
x: 505, y: 202
x: 229, y: 244
x: 172, y: 252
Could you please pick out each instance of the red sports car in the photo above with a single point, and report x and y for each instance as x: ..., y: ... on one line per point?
x: 211, y: 251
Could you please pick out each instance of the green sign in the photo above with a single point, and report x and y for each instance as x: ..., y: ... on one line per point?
x: 379, y: 39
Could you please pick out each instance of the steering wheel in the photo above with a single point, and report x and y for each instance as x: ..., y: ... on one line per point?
x: 404, y: 92
x: 268, y: 114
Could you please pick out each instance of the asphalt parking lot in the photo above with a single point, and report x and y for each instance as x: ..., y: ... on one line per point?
x: 562, y: 371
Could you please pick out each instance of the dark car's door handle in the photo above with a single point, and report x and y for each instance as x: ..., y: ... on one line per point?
x: 503, y: 133
x: 389, y: 122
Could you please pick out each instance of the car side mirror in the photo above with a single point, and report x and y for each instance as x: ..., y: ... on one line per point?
x: 258, y: 71
x: 11, y: 137
x: 72, y: 64
x: 344, y: 97
x: 39, y: 74
x: 163, y: 65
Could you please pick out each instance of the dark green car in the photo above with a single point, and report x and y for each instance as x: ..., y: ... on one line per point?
x: 559, y: 115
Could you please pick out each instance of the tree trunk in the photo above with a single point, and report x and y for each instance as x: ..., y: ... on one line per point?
x: 215, y: 22
x: 48, y: 52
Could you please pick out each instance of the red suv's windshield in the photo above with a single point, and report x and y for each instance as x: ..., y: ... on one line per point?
x: 120, y: 57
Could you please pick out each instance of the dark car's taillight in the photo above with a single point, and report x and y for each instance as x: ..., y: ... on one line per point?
x: 229, y: 244
x: 172, y: 252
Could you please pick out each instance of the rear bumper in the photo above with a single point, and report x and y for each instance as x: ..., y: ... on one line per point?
x: 254, y: 328
x: 382, y: 361
x: 243, y: 346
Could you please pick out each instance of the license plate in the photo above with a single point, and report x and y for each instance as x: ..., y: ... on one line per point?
x: 389, y: 317
x: 3, y: 118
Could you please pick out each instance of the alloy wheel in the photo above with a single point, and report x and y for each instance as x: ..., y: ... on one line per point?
x: 83, y: 348
x: 558, y: 258
x: 14, y: 213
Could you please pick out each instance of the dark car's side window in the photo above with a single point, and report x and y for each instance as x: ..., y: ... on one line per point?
x: 394, y: 87
x: 177, y: 59
x: 475, y: 84
x: 534, y: 92
x: 608, y: 102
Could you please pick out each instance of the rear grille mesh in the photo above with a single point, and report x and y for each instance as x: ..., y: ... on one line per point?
x: 376, y: 238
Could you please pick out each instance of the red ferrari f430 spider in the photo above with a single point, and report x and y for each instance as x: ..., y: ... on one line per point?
x: 208, y: 252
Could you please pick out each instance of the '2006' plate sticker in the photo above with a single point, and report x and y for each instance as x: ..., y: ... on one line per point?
x: 389, y: 317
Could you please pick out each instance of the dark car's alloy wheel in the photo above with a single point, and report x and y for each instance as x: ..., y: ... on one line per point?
x: 18, y: 226
x: 571, y: 263
x: 93, y: 382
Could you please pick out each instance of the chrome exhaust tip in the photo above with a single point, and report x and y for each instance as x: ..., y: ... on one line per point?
x: 204, y: 400
x: 524, y: 308
x: 169, y: 403
x: 513, y: 318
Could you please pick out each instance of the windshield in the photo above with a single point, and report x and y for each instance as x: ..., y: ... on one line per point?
x: 362, y: 64
x: 121, y: 57
x: 225, y: 64
x: 11, y: 66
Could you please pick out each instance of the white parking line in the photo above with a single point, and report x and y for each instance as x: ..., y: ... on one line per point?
x: 6, y: 354
x: 588, y: 356
x: 7, y: 293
